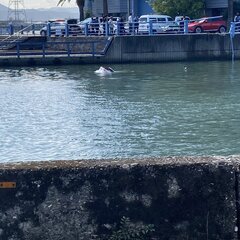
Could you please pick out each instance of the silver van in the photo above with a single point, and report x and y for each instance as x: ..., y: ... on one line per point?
x: 158, y: 23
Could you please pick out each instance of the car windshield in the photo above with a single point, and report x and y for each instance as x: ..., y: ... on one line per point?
x: 200, y: 20
x: 143, y: 20
x: 87, y: 20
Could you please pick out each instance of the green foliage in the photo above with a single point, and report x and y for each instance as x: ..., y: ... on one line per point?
x: 191, y: 8
x: 131, y: 231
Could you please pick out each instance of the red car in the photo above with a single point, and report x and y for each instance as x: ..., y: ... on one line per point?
x: 208, y: 24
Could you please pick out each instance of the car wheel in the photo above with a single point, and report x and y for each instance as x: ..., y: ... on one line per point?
x: 43, y: 33
x: 198, y: 30
x: 222, y: 29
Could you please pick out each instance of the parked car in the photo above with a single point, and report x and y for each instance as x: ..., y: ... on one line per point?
x: 208, y: 24
x: 96, y: 25
x: 158, y: 23
x: 180, y: 18
x: 58, y: 27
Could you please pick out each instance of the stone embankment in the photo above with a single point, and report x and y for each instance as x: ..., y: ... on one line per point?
x: 173, y: 198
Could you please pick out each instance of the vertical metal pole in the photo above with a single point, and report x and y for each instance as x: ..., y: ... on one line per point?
x: 232, y: 34
x: 49, y: 29
x: 185, y: 26
x: 133, y: 8
x: 93, y: 49
x: 11, y: 29
x: 106, y: 28
x: 118, y: 28
x: 150, y: 28
x: 68, y: 49
x: 128, y: 7
x: 18, y: 50
x: 33, y: 29
x: 43, y: 49
x: 66, y: 30
x: 86, y: 29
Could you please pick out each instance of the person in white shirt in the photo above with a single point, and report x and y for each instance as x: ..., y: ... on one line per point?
x: 130, y: 23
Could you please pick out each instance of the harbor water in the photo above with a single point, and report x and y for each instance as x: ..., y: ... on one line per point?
x: 141, y: 110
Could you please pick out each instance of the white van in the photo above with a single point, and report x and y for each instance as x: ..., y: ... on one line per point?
x: 158, y: 22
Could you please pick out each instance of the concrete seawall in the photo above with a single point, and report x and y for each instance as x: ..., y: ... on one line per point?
x: 159, y: 48
x: 179, y: 198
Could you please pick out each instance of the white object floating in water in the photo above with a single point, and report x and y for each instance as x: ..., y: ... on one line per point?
x: 104, y: 71
x: 185, y: 69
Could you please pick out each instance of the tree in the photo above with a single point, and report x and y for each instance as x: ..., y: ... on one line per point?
x: 191, y: 8
x: 105, y: 7
x: 80, y: 4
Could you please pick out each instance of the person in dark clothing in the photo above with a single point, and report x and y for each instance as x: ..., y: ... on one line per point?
x: 237, y: 17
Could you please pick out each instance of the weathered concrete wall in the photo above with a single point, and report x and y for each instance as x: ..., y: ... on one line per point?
x: 125, y: 49
x: 183, y: 198
x: 171, y: 48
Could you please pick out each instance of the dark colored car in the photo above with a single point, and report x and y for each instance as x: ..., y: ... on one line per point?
x: 208, y: 24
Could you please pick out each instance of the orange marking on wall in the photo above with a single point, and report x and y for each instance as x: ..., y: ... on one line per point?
x: 8, y: 184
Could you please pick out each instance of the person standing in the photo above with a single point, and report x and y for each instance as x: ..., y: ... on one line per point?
x: 130, y: 23
x: 111, y: 25
x: 136, y: 24
x: 237, y: 17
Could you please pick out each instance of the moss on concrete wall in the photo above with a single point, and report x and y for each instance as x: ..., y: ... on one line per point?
x: 183, y: 198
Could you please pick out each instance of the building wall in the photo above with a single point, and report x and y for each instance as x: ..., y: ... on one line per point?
x: 121, y: 7
x: 216, y: 3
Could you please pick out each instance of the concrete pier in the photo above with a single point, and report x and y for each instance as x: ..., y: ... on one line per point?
x: 179, y: 197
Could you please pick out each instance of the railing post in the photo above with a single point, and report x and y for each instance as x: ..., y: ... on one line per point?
x: 66, y: 30
x: 49, y: 29
x: 18, y: 50
x: 93, y: 49
x: 68, y: 49
x: 118, y: 28
x: 11, y: 29
x: 106, y: 29
x: 185, y: 26
x: 150, y: 28
x: 232, y: 29
x: 33, y: 29
x: 86, y: 29
x: 21, y: 27
x: 43, y: 49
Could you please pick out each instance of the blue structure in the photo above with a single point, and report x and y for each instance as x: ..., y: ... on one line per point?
x: 143, y: 8
x: 119, y: 7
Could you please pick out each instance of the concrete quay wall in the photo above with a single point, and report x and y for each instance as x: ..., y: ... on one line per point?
x: 168, y: 198
x: 127, y: 49
x: 163, y: 48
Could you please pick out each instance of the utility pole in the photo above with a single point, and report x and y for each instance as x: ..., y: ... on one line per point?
x: 16, y: 11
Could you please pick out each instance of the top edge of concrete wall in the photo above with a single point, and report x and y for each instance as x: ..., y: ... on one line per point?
x: 122, y: 163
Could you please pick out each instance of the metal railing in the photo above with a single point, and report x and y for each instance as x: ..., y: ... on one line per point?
x: 103, y: 28
x: 96, y: 29
x: 56, y: 48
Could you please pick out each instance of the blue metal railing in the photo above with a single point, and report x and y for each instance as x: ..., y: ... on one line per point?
x: 43, y: 49
x: 89, y: 29
x: 101, y: 28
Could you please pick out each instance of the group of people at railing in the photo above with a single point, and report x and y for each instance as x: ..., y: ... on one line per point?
x: 111, y: 25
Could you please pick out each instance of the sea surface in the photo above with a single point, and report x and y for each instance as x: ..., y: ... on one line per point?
x: 141, y: 110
